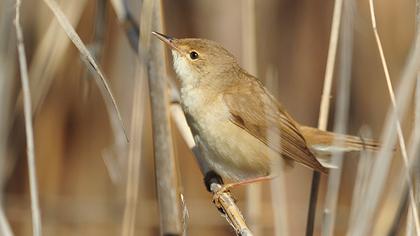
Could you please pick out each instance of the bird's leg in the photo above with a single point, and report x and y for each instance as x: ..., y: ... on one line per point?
x: 227, y: 187
x: 212, y: 177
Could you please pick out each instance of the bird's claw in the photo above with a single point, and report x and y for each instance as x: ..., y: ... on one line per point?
x: 216, y: 196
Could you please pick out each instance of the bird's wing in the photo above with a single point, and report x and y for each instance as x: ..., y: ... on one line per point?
x: 253, y: 109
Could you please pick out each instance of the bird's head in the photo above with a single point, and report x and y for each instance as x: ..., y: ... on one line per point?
x: 195, y: 59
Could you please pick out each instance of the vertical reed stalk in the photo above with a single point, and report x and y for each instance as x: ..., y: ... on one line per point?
x: 134, y: 154
x: 341, y: 117
x: 7, y: 81
x: 329, y: 70
x: 325, y: 107
x: 36, y: 213
x: 165, y: 164
x: 416, y: 129
x: 278, y: 184
x: 249, y: 44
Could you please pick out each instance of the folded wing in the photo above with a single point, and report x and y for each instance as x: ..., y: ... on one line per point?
x: 253, y: 109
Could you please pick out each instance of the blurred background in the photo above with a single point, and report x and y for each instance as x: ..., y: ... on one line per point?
x: 82, y: 169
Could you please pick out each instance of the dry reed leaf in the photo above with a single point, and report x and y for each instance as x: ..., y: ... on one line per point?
x: 97, y: 72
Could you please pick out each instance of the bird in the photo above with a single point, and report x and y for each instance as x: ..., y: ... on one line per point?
x: 246, y: 132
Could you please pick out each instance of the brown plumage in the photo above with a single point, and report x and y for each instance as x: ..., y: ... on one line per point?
x: 347, y: 143
x: 244, y: 129
x: 263, y: 117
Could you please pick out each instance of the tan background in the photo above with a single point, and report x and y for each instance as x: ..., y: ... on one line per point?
x: 72, y: 130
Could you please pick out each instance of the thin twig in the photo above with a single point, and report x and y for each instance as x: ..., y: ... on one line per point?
x: 325, y: 107
x: 231, y: 211
x: 412, y: 200
x: 329, y: 70
x: 36, y: 214
x: 99, y: 76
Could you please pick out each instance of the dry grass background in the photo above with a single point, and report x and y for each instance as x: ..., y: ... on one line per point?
x: 72, y: 131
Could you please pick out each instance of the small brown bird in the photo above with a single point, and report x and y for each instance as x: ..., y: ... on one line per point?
x: 245, y: 130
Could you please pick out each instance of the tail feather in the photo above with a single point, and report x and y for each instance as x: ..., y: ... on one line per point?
x: 324, y: 141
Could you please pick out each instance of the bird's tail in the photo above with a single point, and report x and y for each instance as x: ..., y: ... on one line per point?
x: 328, y: 142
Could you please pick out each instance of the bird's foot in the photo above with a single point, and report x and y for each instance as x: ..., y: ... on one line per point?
x: 218, y: 193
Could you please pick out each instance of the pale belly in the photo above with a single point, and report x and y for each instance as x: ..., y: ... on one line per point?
x: 236, y: 154
x: 232, y: 152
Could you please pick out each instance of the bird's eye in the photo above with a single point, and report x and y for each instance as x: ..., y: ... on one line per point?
x: 193, y: 55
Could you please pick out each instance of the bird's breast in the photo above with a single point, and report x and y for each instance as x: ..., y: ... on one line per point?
x: 235, y: 154
x: 203, y: 105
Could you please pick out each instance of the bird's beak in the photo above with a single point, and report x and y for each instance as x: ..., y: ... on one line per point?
x: 166, y: 39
